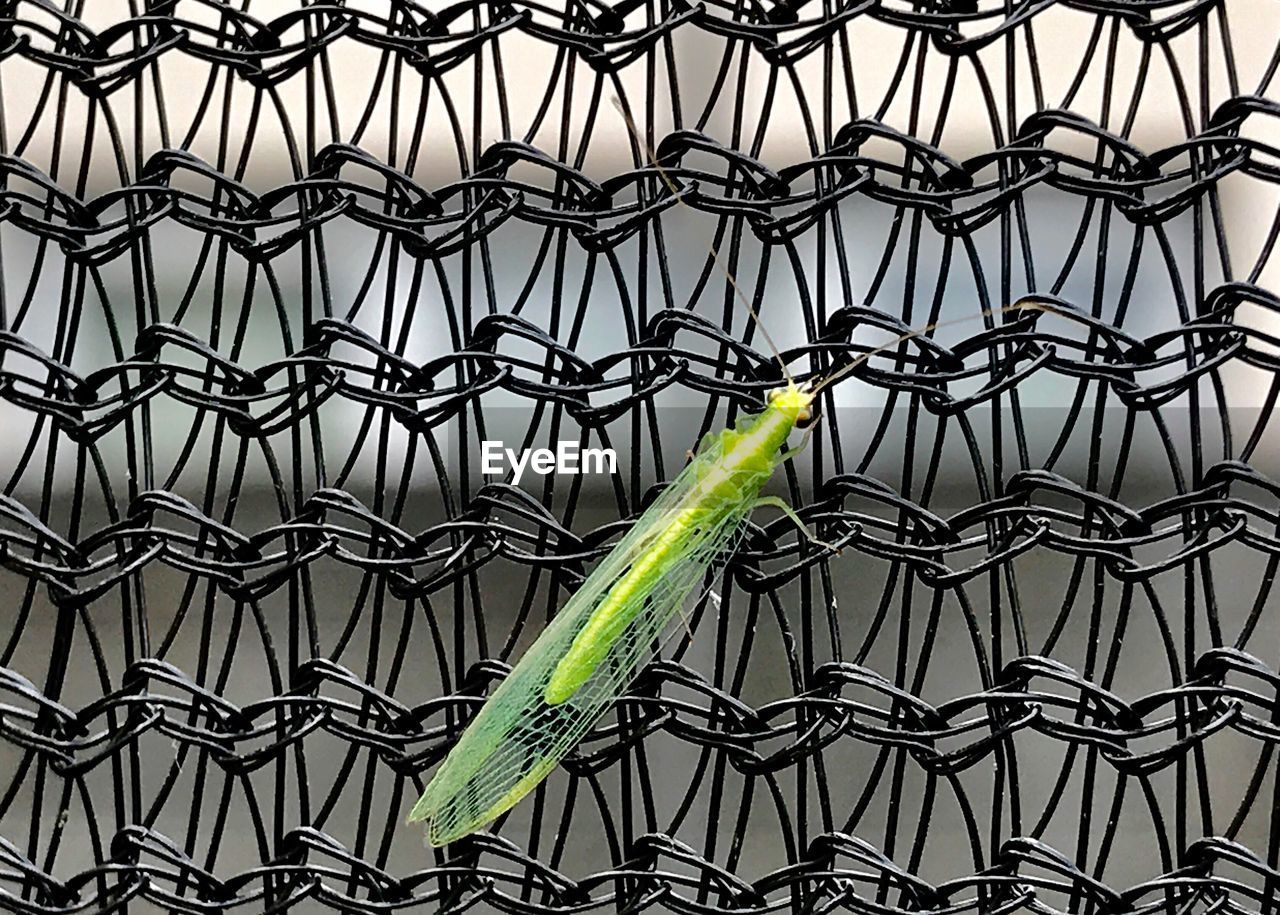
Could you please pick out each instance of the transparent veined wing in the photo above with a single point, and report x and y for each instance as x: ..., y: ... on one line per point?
x: 517, y: 738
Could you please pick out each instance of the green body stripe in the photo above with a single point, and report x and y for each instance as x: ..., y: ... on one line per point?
x: 746, y: 455
x: 619, y: 607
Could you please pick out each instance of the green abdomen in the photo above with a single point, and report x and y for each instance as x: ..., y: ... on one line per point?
x: 727, y: 487
x: 618, y: 608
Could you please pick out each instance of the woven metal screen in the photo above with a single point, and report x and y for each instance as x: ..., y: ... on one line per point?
x: 273, y: 270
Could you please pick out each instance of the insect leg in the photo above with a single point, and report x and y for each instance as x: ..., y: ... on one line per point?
x: 782, y: 506
x: 804, y: 443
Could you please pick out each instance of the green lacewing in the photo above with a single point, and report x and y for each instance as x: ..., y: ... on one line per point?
x: 584, y: 660
x: 587, y: 656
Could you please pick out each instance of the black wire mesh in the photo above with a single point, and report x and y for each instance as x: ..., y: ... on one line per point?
x: 272, y: 271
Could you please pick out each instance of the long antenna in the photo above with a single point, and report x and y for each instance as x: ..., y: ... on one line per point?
x: 711, y: 249
x: 1020, y: 305
x: 843, y: 371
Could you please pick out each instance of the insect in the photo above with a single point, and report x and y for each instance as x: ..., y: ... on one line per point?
x: 585, y: 658
x: 588, y: 654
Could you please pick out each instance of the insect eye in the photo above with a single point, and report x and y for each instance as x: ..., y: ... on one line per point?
x: 773, y: 395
